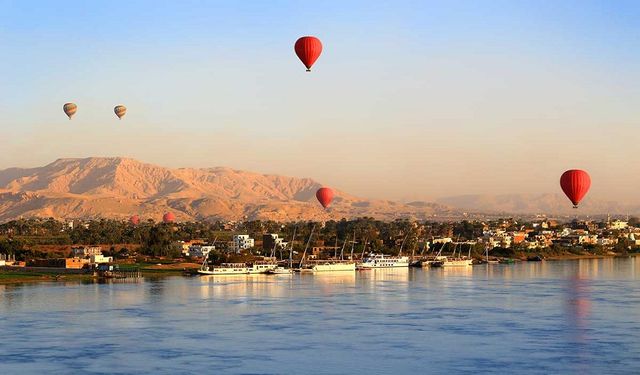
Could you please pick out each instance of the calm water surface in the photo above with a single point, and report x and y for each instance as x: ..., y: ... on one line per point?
x: 552, y: 317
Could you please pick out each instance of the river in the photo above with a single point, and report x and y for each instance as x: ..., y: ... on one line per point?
x: 574, y: 316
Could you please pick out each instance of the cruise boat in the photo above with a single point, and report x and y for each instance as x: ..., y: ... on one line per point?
x: 328, y: 266
x: 237, y: 268
x: 383, y: 261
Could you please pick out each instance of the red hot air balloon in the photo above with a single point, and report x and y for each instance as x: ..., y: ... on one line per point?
x: 575, y: 183
x: 308, y: 49
x: 134, y: 220
x: 325, y: 196
x: 169, y: 217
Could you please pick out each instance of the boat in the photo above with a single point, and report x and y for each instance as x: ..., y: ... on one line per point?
x: 279, y: 270
x: 433, y: 261
x: 535, y: 258
x: 457, y: 262
x: 507, y: 260
x: 328, y: 266
x: 237, y: 268
x: 453, y: 260
x: 383, y: 261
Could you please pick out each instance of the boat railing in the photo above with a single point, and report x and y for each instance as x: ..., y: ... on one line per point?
x: 233, y: 265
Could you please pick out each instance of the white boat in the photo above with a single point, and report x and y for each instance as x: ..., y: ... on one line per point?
x: 280, y: 271
x: 237, y: 268
x: 383, y: 261
x: 453, y: 260
x: 328, y: 266
x: 457, y: 262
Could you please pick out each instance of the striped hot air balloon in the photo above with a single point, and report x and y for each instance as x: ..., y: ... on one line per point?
x: 70, y: 109
x: 120, y: 111
x: 308, y: 49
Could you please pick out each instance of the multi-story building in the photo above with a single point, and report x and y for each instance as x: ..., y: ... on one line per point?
x: 241, y: 242
x: 99, y: 258
x: 86, y: 251
x: 272, y: 241
x: 200, y: 251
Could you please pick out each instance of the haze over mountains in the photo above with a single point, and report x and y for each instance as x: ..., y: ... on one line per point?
x: 529, y: 204
x: 119, y: 187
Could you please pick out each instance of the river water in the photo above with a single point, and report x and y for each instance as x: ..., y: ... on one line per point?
x: 579, y: 317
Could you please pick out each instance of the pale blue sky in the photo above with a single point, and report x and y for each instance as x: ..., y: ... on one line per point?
x: 409, y: 100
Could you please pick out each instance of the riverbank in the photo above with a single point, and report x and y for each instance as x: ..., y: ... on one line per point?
x: 27, y: 275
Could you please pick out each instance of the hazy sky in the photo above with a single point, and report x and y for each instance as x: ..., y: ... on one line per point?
x: 409, y: 100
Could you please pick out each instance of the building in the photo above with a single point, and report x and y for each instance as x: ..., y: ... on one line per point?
x: 99, y: 258
x: 241, y: 242
x: 618, y: 224
x: 86, y: 251
x: 200, y: 251
x: 272, y: 241
x: 71, y: 263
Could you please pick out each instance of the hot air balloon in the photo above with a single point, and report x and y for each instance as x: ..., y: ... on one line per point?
x: 168, y: 217
x: 575, y: 183
x: 134, y: 220
x: 70, y: 109
x: 308, y: 49
x: 325, y: 196
x: 120, y: 111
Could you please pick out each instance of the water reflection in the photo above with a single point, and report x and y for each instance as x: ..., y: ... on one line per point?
x: 542, y: 317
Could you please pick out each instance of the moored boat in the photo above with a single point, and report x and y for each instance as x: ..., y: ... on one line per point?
x: 383, y: 261
x: 237, y: 268
x: 328, y: 266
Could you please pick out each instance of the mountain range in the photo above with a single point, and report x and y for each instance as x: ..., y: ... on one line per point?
x: 120, y: 187
x: 116, y: 187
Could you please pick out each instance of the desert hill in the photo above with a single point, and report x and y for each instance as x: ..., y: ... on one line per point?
x: 119, y: 187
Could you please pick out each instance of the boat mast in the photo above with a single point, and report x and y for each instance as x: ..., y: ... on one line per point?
x: 291, y: 249
x: 304, y: 254
x: 363, y: 248
x: 353, y: 243
x: 342, y: 250
x: 206, y: 258
x: 402, y: 245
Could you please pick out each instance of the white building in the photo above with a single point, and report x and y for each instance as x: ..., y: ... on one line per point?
x: 617, y: 224
x: 242, y: 242
x: 86, y: 251
x: 99, y: 258
x: 200, y: 251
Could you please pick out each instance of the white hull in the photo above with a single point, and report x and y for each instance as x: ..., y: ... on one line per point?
x: 280, y: 271
x: 382, y: 261
x: 330, y: 267
x: 394, y: 265
x: 457, y: 263
x: 238, y: 270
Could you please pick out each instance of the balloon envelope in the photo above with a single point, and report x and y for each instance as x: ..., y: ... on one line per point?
x: 169, y: 217
x: 120, y: 111
x: 308, y: 49
x: 135, y: 219
x: 70, y: 109
x: 575, y: 183
x: 325, y: 196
